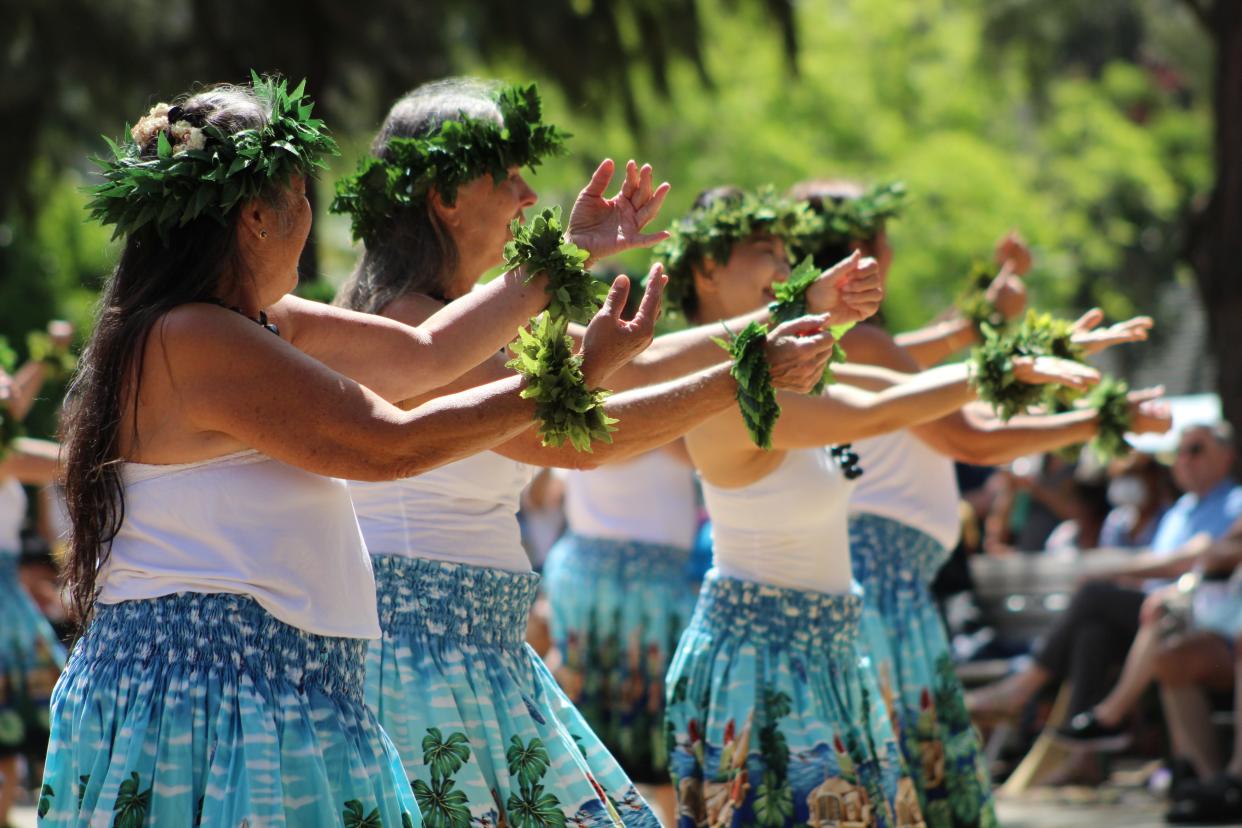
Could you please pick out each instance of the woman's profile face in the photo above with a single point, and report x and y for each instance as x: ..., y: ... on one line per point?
x: 745, y: 282
x: 482, y: 213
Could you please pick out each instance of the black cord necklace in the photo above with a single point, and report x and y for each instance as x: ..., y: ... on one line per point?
x: 261, y: 321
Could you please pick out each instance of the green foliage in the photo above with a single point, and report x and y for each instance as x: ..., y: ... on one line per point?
x: 755, y: 395
x: 355, y: 816
x: 59, y: 362
x: 1039, y: 335
x: 711, y: 232
x: 539, y: 246
x: 840, y: 221
x: 1111, y: 402
x: 132, y: 803
x: 564, y: 406
x: 974, y: 304
x: 445, y: 756
x: 214, y: 175
x: 46, y: 795
x: 457, y: 152
x: 791, y: 303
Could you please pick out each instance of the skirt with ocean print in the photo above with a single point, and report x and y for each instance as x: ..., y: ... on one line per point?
x: 31, y: 659
x: 204, y: 709
x: 905, y: 638
x: 773, y: 719
x: 618, y: 609
x: 486, y: 735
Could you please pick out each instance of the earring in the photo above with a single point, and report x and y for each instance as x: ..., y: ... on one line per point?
x: 263, y: 234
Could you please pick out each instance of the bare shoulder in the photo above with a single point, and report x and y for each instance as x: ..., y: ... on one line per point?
x: 412, y: 308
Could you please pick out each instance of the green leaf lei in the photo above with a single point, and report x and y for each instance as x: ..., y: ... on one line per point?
x: 755, y: 395
x: 228, y: 169
x: 791, y: 303
x: 712, y: 231
x: 1111, y: 401
x: 457, y: 152
x: 839, y: 221
x: 974, y: 304
x: 566, y: 408
x: 1038, y: 335
x: 59, y: 362
x: 10, y: 427
x: 539, y: 246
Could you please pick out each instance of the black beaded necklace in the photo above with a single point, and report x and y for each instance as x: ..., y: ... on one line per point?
x: 261, y: 321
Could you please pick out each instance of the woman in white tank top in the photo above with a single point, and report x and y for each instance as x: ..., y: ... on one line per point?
x: 454, y: 587
x: 904, y: 518
x: 220, y: 679
x: 772, y: 715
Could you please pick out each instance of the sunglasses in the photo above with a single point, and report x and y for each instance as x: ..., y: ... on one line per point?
x: 1192, y: 450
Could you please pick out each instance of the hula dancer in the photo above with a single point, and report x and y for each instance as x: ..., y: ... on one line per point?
x: 31, y: 657
x: 772, y: 718
x: 485, y: 733
x: 904, y: 510
x: 620, y: 596
x: 220, y: 678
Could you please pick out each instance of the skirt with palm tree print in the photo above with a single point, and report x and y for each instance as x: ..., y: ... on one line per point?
x: 31, y: 659
x: 905, y: 638
x: 486, y: 735
x: 204, y: 709
x: 774, y: 720
x: 618, y: 610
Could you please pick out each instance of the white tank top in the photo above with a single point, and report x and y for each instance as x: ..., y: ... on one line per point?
x: 906, y: 481
x: 12, y: 514
x: 789, y: 529
x: 464, y: 512
x: 248, y: 525
x: 650, y: 499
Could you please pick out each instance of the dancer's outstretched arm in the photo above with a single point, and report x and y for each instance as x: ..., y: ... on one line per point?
x: 33, y: 462
x: 28, y: 379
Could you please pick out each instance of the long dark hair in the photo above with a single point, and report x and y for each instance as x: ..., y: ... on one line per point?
x: 153, y: 276
x: 417, y: 254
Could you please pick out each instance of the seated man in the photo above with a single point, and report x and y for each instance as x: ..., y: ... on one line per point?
x: 1102, y: 621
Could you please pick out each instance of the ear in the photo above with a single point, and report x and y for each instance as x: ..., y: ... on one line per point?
x: 706, y: 277
x: 447, y: 214
x: 257, y: 219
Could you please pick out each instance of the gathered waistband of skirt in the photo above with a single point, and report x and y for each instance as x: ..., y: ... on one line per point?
x: 625, y: 560
x: 770, y: 615
x: 888, y: 554
x: 476, y: 604
x: 218, y: 632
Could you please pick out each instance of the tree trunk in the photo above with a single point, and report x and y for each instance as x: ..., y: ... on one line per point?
x: 1216, y: 241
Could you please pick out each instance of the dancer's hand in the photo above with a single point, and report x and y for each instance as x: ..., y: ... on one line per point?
x: 1149, y: 413
x: 1047, y: 370
x: 797, y: 352
x: 607, y: 226
x: 1013, y: 254
x: 851, y: 290
x: 611, y: 341
x: 6, y: 388
x: 61, y: 333
x: 1094, y: 339
x: 1007, y: 293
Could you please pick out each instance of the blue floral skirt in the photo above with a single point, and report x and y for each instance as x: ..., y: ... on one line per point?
x: 905, y: 638
x: 618, y: 610
x: 486, y: 735
x: 31, y: 659
x: 773, y: 720
x: 204, y: 709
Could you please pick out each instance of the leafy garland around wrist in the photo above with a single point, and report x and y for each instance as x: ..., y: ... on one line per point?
x: 539, y: 246
x: 10, y: 427
x: 1038, y: 335
x: 712, y: 231
x: 455, y: 153
x: 974, y: 304
x: 211, y: 171
x: 566, y: 408
x: 839, y: 221
x: 58, y: 362
x: 1112, y: 404
x: 755, y: 395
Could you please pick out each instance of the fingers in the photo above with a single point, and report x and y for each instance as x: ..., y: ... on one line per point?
x: 644, y: 184
x: 649, y: 239
x: 618, y: 293
x: 630, y: 185
x: 849, y: 263
x: 651, y: 208
x: 600, y: 179
x: 1142, y: 395
x: 1089, y: 320
x: 649, y: 308
x: 802, y: 326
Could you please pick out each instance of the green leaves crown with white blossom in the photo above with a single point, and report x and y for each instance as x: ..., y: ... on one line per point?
x: 712, y: 232
x: 840, y: 220
x: 209, y: 172
x: 455, y: 153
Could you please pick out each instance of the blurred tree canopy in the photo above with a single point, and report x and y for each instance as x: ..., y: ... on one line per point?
x: 1087, y: 126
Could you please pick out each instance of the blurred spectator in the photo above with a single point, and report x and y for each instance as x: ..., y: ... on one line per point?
x: 1030, y: 500
x: 1140, y: 492
x: 1091, y: 637
x: 1083, y: 530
